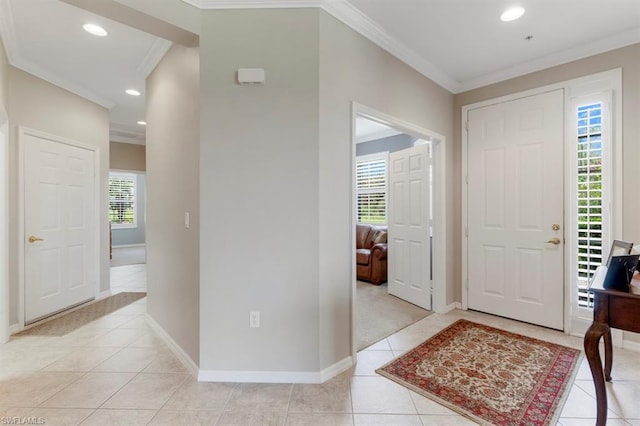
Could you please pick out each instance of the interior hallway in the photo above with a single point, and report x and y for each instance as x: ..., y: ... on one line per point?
x: 116, y: 370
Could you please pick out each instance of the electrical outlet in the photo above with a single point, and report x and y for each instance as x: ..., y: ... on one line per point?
x: 254, y: 319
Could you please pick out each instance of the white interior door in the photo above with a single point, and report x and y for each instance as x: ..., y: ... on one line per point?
x: 515, y: 208
x: 409, y: 255
x: 60, y: 226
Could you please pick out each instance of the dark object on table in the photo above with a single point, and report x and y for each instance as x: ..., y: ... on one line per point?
x: 620, y: 271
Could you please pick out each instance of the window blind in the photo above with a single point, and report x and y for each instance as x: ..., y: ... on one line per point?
x: 371, y: 184
x: 122, y: 199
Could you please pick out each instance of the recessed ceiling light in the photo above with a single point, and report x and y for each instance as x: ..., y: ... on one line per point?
x: 94, y: 29
x: 132, y: 92
x: 511, y: 14
x: 142, y: 123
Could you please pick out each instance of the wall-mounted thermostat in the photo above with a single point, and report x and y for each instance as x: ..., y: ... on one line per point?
x: 251, y: 76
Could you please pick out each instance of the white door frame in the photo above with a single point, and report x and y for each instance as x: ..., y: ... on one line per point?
x: 25, y: 131
x: 615, y: 77
x: 439, y: 257
x: 4, y: 228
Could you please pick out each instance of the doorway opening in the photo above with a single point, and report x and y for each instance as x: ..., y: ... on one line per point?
x: 398, y: 225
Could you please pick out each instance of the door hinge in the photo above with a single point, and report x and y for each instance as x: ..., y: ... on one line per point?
x: 466, y: 284
x: 466, y: 126
x: 466, y: 179
x: 466, y: 231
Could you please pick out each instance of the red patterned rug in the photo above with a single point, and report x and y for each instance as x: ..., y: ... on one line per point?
x: 489, y: 375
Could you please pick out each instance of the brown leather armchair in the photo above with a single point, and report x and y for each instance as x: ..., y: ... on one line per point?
x: 371, y: 253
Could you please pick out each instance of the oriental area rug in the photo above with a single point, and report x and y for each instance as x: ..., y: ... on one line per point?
x: 491, y: 376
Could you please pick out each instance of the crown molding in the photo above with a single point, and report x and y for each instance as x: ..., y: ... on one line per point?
x: 7, y: 31
x: 12, y: 49
x: 153, y: 57
x: 361, y: 23
x: 252, y: 4
x: 579, y: 52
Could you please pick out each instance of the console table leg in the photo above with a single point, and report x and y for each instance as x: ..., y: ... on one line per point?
x: 608, y: 355
x: 591, y: 343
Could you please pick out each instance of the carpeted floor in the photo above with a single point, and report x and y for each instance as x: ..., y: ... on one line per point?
x: 68, y: 322
x: 379, y: 314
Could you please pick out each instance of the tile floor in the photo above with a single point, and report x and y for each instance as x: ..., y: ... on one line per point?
x: 115, y: 371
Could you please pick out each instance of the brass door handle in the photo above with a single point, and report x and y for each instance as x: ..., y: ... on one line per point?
x: 554, y: 240
x: 33, y: 239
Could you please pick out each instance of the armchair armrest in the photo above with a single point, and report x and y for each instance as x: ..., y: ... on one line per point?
x: 379, y: 251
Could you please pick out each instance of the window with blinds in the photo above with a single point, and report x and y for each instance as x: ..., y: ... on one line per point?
x: 122, y: 200
x: 589, y: 192
x: 371, y: 189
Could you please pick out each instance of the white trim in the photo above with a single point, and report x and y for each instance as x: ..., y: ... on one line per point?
x: 365, y: 26
x: 451, y: 307
x: 252, y: 4
x: 153, y: 57
x: 22, y: 132
x: 614, y: 79
x: 129, y: 245
x: 173, y: 346
x: 5, y: 307
x: 439, y: 295
x: 307, y: 377
x: 362, y: 24
x: 631, y: 345
x: 573, y: 54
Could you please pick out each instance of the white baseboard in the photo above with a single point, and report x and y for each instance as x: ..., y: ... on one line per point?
x: 311, y: 377
x: 174, y: 347
x: 16, y: 328
x: 450, y: 307
x: 129, y: 245
x: 103, y: 295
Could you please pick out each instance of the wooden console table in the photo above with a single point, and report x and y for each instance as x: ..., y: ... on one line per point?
x: 612, y: 309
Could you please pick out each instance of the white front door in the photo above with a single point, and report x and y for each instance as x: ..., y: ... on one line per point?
x: 409, y: 255
x: 60, y: 225
x: 515, y: 209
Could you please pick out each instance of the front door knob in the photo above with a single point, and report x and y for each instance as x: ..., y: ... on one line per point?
x: 554, y: 240
x: 33, y: 239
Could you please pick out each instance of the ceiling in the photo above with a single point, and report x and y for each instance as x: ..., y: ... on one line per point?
x: 459, y: 44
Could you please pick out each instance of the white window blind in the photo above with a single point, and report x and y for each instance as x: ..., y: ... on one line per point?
x: 590, y: 197
x: 122, y: 200
x: 371, y: 184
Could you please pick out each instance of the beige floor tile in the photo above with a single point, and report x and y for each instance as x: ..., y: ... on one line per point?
x: 128, y: 360
x: 368, y: 361
x: 193, y: 395
x: 137, y: 321
x: 333, y: 396
x: 622, y: 397
x: 427, y: 406
x: 378, y: 395
x: 580, y: 404
x: 186, y: 418
x: 32, y: 359
x: 111, y: 321
x: 251, y: 417
x: 82, y: 359
x: 148, y: 340
x: 386, y: 419
x: 314, y: 419
x: 118, y: 337
x: 146, y: 391
x: 90, y: 391
x: 106, y: 417
x: 79, y: 337
x: 591, y: 422
x: 60, y: 416
x: 165, y: 362
x: 33, y: 388
x: 382, y: 345
x: 260, y: 397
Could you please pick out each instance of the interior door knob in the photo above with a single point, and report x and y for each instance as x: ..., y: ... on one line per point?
x: 554, y: 240
x: 33, y: 239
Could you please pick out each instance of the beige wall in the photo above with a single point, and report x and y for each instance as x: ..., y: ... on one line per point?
x: 354, y: 69
x: 126, y: 156
x: 4, y: 198
x: 627, y: 58
x: 39, y: 105
x: 259, y: 191
x: 172, y: 182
